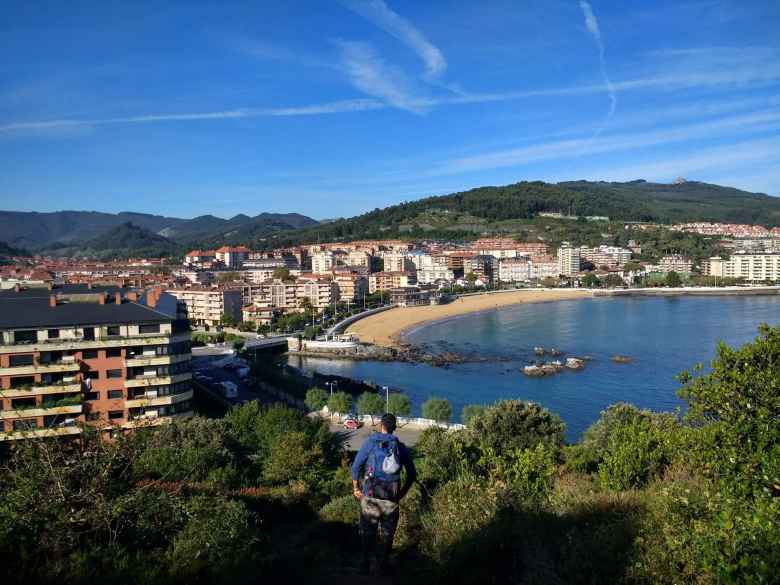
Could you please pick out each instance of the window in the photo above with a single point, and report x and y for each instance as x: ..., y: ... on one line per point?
x: 91, y: 375
x: 92, y: 395
x: 54, y: 333
x: 24, y: 425
x: 113, y: 373
x: 112, y: 330
x: 21, y: 360
x: 93, y: 416
x: 114, y: 394
x: 114, y: 352
x: 22, y: 381
x: 89, y: 333
x: 154, y: 328
x: 115, y: 414
x: 89, y: 354
x: 25, y: 336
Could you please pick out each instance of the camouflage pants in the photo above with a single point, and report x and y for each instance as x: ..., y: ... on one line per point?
x: 378, y: 518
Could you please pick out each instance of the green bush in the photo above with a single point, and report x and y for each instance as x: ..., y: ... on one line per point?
x: 344, y: 509
x: 513, y: 424
x: 528, y: 473
x: 340, y: 402
x: 438, y: 409
x: 316, y: 398
x: 470, y: 412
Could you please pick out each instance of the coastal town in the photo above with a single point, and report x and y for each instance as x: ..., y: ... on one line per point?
x: 262, y: 289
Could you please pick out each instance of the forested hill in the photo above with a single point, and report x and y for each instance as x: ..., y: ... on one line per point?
x: 123, y: 241
x: 495, y: 209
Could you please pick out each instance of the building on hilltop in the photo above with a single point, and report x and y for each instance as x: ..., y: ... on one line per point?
x: 103, y: 357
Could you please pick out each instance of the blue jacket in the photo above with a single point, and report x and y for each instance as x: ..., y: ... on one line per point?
x: 403, y: 454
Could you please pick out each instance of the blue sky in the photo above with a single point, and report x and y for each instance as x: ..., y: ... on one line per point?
x: 332, y: 108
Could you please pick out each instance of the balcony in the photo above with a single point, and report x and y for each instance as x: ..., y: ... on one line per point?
x: 152, y: 399
x: 142, y: 381
x: 41, y: 368
x: 81, y: 343
x: 36, y: 390
x: 39, y: 410
x: 157, y: 360
x: 40, y: 433
x: 153, y: 421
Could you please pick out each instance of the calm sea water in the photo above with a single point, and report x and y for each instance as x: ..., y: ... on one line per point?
x: 664, y: 336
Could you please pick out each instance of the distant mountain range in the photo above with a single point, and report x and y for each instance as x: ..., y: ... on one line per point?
x: 506, y: 209
x: 59, y: 229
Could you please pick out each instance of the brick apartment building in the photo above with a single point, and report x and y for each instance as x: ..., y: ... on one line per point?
x: 103, y: 357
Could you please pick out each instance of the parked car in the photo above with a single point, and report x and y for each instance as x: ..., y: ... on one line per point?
x: 352, y: 424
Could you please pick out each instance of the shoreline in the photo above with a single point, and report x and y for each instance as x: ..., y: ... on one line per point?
x: 390, y: 328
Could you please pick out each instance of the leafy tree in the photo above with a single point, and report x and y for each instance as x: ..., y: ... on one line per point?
x: 632, y: 266
x: 471, y: 278
x: 513, y: 424
x: 438, y: 409
x: 612, y: 280
x: 673, y: 279
x: 399, y: 405
x: 590, y: 280
x: 340, y: 402
x: 228, y: 320
x: 282, y: 273
x: 316, y: 398
x: 470, y: 412
x: 370, y: 403
x: 549, y: 282
x: 224, y: 277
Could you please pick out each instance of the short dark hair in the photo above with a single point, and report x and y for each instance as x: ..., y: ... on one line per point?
x: 389, y: 422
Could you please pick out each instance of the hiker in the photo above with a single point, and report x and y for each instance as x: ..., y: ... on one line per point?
x: 381, y: 459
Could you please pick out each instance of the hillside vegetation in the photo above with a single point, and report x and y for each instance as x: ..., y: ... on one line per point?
x: 511, y: 209
x: 264, y: 495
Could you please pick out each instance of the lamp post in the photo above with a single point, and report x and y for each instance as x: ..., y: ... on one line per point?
x: 387, y: 397
x: 331, y: 385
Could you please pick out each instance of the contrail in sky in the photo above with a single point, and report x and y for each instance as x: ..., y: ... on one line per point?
x: 593, y: 28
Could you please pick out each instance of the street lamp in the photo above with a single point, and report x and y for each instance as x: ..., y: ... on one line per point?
x: 331, y: 385
x: 387, y: 397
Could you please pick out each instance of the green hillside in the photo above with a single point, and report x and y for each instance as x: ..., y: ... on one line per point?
x: 513, y: 209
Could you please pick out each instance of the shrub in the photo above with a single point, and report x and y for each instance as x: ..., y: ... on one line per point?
x: 399, y: 405
x: 294, y: 455
x: 344, y: 509
x: 438, y: 409
x: 512, y: 424
x: 316, y: 398
x: 528, y: 473
x: 370, y: 403
x: 470, y: 412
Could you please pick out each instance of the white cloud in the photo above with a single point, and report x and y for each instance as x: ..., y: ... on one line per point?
x: 593, y: 28
x: 370, y: 74
x: 563, y: 149
x: 377, y: 12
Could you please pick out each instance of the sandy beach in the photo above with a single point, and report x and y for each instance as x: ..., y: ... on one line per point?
x: 387, y: 328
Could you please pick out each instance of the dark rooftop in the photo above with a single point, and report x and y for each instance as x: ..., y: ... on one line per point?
x: 41, y: 292
x: 32, y: 312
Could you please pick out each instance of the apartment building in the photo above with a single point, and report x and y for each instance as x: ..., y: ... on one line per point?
x: 398, y: 262
x: 610, y: 256
x: 206, y: 305
x: 352, y: 287
x: 322, y: 262
x: 232, y: 256
x: 434, y: 274
x: 288, y: 295
x: 386, y: 280
x: 408, y: 296
x: 675, y: 263
x: 103, y: 357
x: 569, y: 260
x: 543, y: 269
x: 754, y: 267
x: 514, y: 270
x: 483, y: 265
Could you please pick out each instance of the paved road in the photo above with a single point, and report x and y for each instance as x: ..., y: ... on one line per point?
x: 352, y: 440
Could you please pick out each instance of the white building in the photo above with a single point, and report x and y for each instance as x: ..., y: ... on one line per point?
x: 675, y: 263
x: 751, y: 267
x: 569, y: 259
x: 322, y: 262
x: 514, y: 270
x: 431, y: 275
